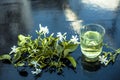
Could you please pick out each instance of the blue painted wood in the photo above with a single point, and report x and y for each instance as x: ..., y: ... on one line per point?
x: 24, y: 16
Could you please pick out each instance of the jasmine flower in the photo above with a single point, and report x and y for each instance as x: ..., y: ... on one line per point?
x: 103, y: 60
x: 13, y: 49
x: 74, y: 39
x: 61, y: 37
x: 35, y: 64
x: 43, y: 30
x: 37, y: 71
x: 35, y: 50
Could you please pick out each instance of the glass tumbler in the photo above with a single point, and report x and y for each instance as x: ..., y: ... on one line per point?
x: 91, y: 38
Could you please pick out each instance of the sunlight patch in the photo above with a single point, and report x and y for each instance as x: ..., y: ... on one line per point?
x: 105, y: 4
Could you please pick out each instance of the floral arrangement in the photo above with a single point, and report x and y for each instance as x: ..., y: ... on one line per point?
x: 44, y: 51
x: 49, y: 51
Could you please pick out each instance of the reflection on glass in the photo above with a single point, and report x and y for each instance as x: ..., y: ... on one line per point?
x: 91, y: 37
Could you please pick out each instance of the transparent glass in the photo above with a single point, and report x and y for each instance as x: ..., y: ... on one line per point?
x: 91, y: 38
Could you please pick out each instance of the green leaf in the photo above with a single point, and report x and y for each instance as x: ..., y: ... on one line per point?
x: 36, y: 41
x: 59, y: 48
x: 16, y: 57
x: 70, y: 48
x: 42, y: 65
x: 118, y: 51
x: 72, y: 60
x: 66, y: 52
x: 21, y: 37
x: 5, y: 56
x: 114, y: 56
x: 19, y: 64
x: 23, y: 49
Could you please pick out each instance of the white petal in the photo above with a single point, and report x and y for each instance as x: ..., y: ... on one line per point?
x: 37, y: 71
x: 13, y: 49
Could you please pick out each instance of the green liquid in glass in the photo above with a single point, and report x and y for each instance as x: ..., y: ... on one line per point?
x: 91, y: 44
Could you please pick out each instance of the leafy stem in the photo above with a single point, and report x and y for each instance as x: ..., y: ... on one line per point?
x: 44, y: 51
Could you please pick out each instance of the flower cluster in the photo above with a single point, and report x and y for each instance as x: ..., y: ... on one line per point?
x: 43, y: 30
x: 108, y: 57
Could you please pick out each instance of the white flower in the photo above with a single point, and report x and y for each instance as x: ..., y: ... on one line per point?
x: 35, y: 50
x: 13, y: 49
x: 61, y: 37
x: 43, y: 30
x: 74, y: 39
x: 37, y: 71
x: 35, y: 64
x: 103, y: 60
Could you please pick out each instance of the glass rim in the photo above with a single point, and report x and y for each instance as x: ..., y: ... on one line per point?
x: 98, y: 25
